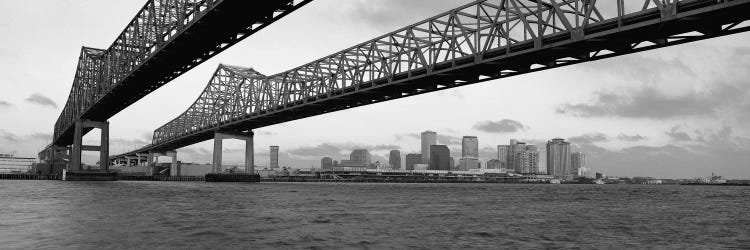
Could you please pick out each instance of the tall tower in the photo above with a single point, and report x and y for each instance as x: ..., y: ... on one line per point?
x: 470, y: 147
x: 428, y: 138
x: 502, y: 155
x: 394, y: 159
x: 578, y: 163
x: 558, y: 157
x: 274, y: 163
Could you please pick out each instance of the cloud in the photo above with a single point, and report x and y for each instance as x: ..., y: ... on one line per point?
x: 4, y: 104
x: 651, y: 103
x: 501, y: 126
x: 631, y: 138
x: 41, y: 100
x: 718, y: 151
x: 676, y: 135
x: 589, y: 138
x: 441, y: 138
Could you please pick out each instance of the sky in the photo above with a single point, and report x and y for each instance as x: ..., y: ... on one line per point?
x: 677, y: 112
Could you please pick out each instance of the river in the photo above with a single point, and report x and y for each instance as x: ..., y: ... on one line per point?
x: 197, y: 215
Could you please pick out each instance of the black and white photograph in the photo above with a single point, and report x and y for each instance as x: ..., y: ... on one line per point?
x: 375, y: 124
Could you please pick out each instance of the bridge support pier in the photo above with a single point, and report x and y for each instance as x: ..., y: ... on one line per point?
x: 75, y: 169
x: 249, y: 149
x: 173, y: 168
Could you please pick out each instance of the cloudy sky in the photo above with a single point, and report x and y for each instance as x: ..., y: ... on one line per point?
x: 676, y: 112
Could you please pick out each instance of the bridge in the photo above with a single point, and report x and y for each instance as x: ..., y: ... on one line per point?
x: 165, y: 39
x: 481, y: 41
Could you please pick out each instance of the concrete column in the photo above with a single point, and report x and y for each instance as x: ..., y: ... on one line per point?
x: 151, y: 163
x: 216, y: 168
x: 173, y: 169
x: 104, y: 147
x: 75, y: 159
x: 250, y: 154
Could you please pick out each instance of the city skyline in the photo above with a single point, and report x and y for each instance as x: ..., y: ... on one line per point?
x: 674, y: 112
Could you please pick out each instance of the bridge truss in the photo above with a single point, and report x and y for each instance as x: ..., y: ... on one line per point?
x: 480, y: 41
x: 165, y: 39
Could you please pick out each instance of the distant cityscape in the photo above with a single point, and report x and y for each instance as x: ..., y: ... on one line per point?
x: 518, y: 157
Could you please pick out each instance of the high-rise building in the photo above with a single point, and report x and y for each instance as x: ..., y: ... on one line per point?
x: 470, y: 147
x: 428, y: 138
x: 527, y: 162
x: 412, y: 159
x: 274, y: 163
x: 394, y: 159
x: 503, y: 152
x: 468, y: 163
x: 578, y: 164
x: 515, y: 148
x: 542, y: 166
x: 326, y: 163
x: 439, y: 157
x: 360, y: 157
x: 558, y: 157
x: 453, y: 164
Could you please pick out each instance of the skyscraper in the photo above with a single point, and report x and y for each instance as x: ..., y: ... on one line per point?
x: 470, y: 147
x: 492, y: 164
x: 542, y: 166
x: 515, y: 148
x: 394, y: 159
x: 558, y: 157
x: 502, y: 155
x: 578, y: 164
x: 428, y: 138
x: 360, y: 157
x: 326, y: 163
x: 412, y: 159
x: 440, y: 157
x: 274, y: 163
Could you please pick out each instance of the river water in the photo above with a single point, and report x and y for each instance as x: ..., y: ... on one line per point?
x: 145, y: 215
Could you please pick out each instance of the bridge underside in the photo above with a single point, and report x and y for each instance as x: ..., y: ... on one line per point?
x: 647, y: 30
x: 227, y: 23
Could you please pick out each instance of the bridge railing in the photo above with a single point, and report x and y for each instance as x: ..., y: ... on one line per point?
x: 468, y: 35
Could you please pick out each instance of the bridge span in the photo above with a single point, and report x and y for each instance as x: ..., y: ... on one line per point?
x: 165, y: 39
x: 481, y: 41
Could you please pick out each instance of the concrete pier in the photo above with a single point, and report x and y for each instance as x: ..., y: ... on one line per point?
x: 75, y: 171
x: 249, y: 150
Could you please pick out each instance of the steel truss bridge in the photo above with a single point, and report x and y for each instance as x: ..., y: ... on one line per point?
x: 165, y: 39
x: 481, y: 41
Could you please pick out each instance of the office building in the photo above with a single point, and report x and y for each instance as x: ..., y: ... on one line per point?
x: 274, y: 163
x: 326, y: 163
x: 428, y: 138
x: 515, y: 148
x: 492, y: 164
x: 503, y: 153
x: 470, y: 147
x: 578, y: 164
x: 360, y: 157
x: 412, y: 159
x: 394, y: 159
x: 439, y: 157
x: 466, y: 164
x: 558, y: 157
x: 542, y: 166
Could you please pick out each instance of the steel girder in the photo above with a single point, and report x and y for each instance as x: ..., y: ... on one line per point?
x: 484, y: 40
x: 165, y: 39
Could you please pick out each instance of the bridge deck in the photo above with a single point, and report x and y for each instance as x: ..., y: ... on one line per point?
x: 651, y: 28
x: 140, y: 61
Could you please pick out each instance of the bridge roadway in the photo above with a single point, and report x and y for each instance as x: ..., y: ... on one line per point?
x: 165, y: 39
x: 481, y: 41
